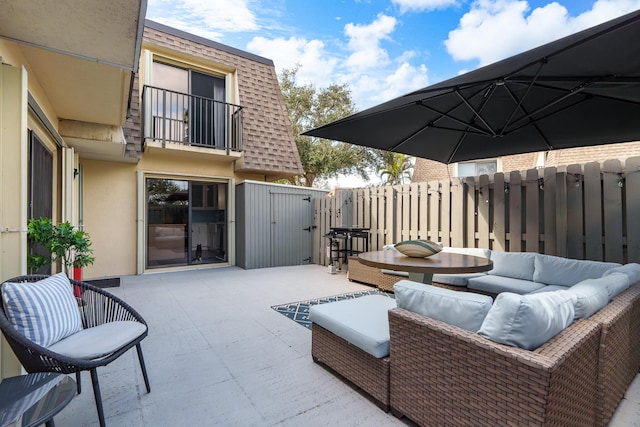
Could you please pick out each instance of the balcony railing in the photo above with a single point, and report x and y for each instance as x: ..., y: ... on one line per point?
x: 180, y: 118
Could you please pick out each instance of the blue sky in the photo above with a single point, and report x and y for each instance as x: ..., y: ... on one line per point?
x: 383, y: 48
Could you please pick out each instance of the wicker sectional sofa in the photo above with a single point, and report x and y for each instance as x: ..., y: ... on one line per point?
x: 576, y: 378
x: 441, y: 374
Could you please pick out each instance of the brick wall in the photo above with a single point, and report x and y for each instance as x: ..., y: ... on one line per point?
x: 428, y: 170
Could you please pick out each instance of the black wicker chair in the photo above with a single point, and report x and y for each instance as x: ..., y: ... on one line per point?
x: 96, y: 307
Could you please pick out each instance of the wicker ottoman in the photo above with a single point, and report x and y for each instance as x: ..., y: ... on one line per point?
x: 352, y: 338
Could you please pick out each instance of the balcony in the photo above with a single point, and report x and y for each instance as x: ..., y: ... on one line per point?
x: 178, y: 120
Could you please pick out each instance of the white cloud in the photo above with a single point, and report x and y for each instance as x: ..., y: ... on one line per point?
x: 216, y: 16
x: 406, y: 78
x: 495, y: 29
x: 364, y: 42
x: 383, y: 85
x: 371, y: 75
x: 316, y: 66
x: 420, y: 5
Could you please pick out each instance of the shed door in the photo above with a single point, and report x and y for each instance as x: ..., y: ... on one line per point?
x: 291, y: 225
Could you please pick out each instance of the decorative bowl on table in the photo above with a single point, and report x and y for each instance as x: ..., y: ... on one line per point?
x: 418, y: 248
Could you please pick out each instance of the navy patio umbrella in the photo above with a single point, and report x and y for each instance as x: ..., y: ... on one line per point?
x: 581, y: 90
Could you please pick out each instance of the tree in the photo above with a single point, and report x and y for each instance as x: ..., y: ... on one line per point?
x: 394, y: 168
x: 309, y: 108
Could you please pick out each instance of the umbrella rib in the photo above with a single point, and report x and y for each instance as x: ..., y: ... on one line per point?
x: 475, y: 112
x: 487, y: 96
x: 519, y: 102
x: 443, y: 115
x: 533, y: 122
x: 455, y: 119
x: 571, y: 92
x: 595, y: 95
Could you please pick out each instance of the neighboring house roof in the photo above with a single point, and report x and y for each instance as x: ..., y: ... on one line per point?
x: 428, y: 170
x: 269, y: 144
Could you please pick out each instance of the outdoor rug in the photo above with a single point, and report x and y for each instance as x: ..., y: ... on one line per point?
x: 299, y: 311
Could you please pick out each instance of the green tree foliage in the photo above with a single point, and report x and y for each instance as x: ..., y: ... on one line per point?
x: 395, y: 168
x: 309, y: 108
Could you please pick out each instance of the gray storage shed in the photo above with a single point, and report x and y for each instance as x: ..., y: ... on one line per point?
x: 274, y: 224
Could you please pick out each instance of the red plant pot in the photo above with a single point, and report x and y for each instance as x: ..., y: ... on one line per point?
x: 77, y: 275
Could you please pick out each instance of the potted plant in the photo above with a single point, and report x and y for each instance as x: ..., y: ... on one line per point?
x: 59, y: 243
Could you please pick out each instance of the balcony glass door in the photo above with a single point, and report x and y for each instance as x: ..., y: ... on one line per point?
x: 167, y: 222
x: 170, y: 109
x: 207, y: 108
x: 188, y: 106
x: 208, y: 222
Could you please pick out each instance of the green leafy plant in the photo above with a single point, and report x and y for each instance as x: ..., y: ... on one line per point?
x: 63, y: 243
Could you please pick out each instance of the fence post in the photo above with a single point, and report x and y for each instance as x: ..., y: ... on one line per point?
x: 549, y: 212
x: 612, y: 185
x: 562, y: 233
x: 515, y: 212
x: 498, y: 225
x: 457, y: 213
x: 593, y: 211
x: 484, y: 203
x: 631, y: 191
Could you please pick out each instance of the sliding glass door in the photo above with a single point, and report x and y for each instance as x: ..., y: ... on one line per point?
x: 186, y: 222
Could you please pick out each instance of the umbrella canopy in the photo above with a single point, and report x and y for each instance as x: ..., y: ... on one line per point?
x: 583, y: 89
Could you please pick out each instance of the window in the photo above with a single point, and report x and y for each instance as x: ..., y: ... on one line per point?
x: 39, y: 188
x: 477, y: 168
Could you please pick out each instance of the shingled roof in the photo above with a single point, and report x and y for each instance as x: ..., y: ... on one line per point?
x: 269, y: 145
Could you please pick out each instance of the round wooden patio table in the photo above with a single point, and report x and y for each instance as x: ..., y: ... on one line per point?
x: 423, y: 269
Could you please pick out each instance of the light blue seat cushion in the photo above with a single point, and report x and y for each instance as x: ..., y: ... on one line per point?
x: 517, y: 265
x: 364, y: 321
x: 632, y: 270
x: 590, y: 298
x: 456, y: 279
x: 528, y: 321
x: 554, y: 270
x: 461, y: 279
x: 463, y: 309
x: 447, y: 279
x: 45, y: 311
x: 497, y: 284
x: 99, y: 341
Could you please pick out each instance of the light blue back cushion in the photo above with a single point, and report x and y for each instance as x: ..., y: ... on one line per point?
x: 481, y: 252
x: 590, y: 298
x: 44, y: 312
x: 517, y: 265
x: 554, y: 270
x: 528, y: 321
x: 631, y: 270
x: 463, y: 309
x: 615, y: 283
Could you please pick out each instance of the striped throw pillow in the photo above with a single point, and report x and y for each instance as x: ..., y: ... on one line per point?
x: 44, y: 312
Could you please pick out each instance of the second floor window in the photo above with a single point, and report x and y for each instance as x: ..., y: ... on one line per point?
x: 189, y: 106
x: 477, y: 168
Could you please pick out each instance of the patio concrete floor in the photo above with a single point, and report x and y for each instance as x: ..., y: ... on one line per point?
x: 218, y: 355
